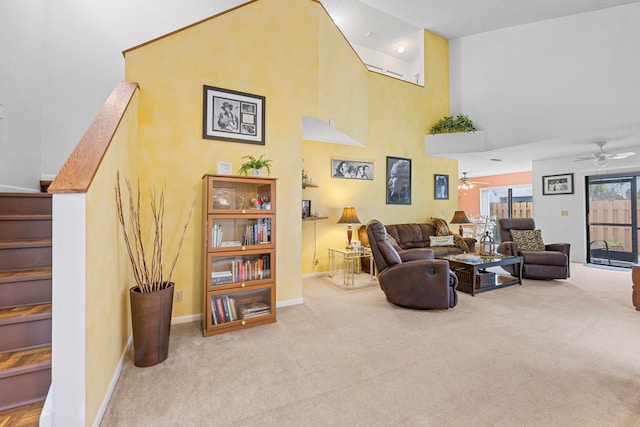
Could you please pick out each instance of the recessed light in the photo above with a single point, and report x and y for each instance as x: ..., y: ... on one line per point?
x: 400, y: 48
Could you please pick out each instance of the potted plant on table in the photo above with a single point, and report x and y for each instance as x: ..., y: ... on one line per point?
x: 152, y: 297
x: 255, y: 165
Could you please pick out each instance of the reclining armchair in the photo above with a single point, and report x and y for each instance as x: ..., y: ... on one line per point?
x: 539, y: 261
x: 415, y: 279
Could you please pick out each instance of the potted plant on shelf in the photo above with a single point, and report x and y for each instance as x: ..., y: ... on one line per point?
x: 255, y: 165
x: 451, y: 124
x: 152, y: 297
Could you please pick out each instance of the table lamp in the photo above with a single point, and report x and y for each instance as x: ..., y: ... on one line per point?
x: 349, y: 217
x: 459, y: 217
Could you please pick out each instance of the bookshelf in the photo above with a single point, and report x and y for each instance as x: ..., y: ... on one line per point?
x: 239, y: 245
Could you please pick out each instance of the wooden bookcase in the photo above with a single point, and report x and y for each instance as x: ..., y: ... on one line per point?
x: 239, y: 253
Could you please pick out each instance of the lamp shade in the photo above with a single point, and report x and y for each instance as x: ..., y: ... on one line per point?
x: 459, y: 217
x: 349, y: 216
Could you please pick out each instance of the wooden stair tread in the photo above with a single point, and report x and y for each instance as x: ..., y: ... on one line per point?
x: 20, y: 217
x: 17, y: 314
x: 25, y: 275
x: 22, y: 416
x: 36, y: 243
x: 33, y: 359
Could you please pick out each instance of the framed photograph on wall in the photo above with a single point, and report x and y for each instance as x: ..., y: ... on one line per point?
x: 306, y: 208
x: 441, y: 187
x: 557, y: 184
x: 398, y: 181
x: 351, y: 169
x: 234, y: 116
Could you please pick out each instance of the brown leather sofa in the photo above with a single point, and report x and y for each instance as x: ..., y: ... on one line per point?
x: 412, y: 236
x: 415, y: 279
x: 550, y: 263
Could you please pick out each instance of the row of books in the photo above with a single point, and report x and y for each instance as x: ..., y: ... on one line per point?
x: 224, y: 310
x: 258, y: 233
x: 243, y: 270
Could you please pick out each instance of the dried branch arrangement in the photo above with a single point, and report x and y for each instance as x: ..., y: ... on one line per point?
x: 147, y: 263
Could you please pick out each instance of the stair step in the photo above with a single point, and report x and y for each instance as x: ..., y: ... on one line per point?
x: 24, y: 327
x: 23, y: 416
x: 25, y: 227
x: 24, y: 376
x: 25, y: 204
x: 25, y: 254
x: 25, y: 287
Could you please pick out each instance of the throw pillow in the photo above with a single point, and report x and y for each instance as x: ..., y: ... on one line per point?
x: 441, y: 240
x: 528, y: 240
x: 391, y: 241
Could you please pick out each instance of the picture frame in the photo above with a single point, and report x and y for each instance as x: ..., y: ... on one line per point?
x: 557, y: 184
x: 229, y: 115
x: 441, y: 187
x: 306, y: 209
x: 398, y: 186
x: 224, y: 168
x: 352, y: 169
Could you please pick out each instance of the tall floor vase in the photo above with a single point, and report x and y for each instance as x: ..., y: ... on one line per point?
x: 635, y: 278
x: 151, y: 324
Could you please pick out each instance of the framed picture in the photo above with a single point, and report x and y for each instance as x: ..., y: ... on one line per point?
x: 351, y: 169
x: 557, y: 184
x: 441, y: 187
x: 306, y: 208
x: 229, y: 115
x: 398, y: 181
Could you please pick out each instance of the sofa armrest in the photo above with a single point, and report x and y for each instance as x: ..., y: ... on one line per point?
x: 416, y: 254
x: 559, y: 247
x: 418, y: 284
x: 471, y: 242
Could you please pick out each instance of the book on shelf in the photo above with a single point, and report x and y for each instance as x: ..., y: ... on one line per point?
x: 231, y: 243
x: 221, y: 277
x: 246, y: 311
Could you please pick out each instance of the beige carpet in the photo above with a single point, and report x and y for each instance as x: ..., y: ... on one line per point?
x: 361, y: 282
x: 561, y: 353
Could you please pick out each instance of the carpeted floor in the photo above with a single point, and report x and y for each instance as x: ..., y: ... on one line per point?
x: 560, y: 353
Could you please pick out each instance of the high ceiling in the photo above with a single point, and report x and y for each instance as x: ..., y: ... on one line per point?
x: 382, y: 25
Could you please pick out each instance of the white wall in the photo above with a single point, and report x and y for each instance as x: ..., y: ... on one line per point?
x: 566, y: 76
x: 60, y: 61
x: 548, y: 209
x: 21, y: 77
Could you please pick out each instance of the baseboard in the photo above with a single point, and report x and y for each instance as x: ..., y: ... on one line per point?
x: 186, y: 319
x: 289, y: 302
x: 112, y: 384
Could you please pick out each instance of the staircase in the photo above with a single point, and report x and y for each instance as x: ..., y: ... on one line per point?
x: 25, y: 301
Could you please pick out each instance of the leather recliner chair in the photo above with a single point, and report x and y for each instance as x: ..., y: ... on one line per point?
x: 552, y: 263
x: 415, y: 279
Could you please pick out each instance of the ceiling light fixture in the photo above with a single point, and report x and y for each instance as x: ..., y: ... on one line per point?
x: 400, y: 48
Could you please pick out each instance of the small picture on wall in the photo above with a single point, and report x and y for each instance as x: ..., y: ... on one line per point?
x: 557, y: 184
x: 441, y: 190
x: 398, y: 181
x: 306, y: 208
x: 351, y: 169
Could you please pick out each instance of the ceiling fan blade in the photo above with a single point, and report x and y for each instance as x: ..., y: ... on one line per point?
x: 619, y: 156
x: 582, y: 159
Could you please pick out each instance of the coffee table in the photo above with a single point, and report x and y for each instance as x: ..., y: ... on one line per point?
x: 474, y: 278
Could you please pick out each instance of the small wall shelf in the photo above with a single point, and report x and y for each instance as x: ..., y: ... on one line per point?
x: 308, y: 184
x: 314, y: 218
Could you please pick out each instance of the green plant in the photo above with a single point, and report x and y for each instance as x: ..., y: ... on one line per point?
x: 255, y: 163
x: 449, y: 124
x: 305, y: 175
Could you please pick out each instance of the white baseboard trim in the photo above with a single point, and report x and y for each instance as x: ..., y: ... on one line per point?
x: 112, y: 384
x: 186, y: 319
x: 289, y: 302
x: 316, y: 274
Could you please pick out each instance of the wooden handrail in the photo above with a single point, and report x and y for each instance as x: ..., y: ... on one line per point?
x: 81, y: 166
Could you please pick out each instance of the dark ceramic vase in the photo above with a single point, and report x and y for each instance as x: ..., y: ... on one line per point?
x: 151, y: 324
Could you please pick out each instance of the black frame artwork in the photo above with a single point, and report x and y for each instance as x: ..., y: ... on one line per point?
x: 351, y: 169
x: 557, y: 184
x: 229, y: 115
x: 441, y: 187
x: 398, y: 186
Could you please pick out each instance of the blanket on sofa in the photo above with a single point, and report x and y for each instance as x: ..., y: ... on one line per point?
x: 442, y: 229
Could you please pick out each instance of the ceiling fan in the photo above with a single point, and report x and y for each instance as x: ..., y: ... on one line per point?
x: 601, y: 158
x: 466, y: 184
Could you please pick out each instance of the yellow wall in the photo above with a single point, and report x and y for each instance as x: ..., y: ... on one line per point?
x: 290, y: 52
x: 108, y: 274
